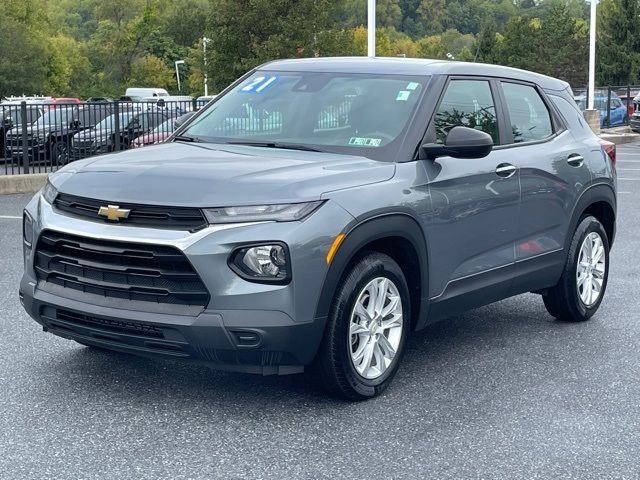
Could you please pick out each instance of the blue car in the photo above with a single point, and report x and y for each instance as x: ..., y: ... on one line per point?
x: 618, y: 111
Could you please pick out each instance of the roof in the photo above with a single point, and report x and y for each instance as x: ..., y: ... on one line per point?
x: 409, y: 66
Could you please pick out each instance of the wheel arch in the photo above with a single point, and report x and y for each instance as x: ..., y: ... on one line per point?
x: 599, y: 201
x: 396, y: 234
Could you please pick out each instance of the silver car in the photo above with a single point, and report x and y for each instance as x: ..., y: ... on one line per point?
x: 364, y: 199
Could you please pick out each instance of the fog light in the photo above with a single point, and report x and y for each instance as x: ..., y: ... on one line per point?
x: 262, y: 263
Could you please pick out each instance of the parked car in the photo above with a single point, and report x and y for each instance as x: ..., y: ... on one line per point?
x: 618, y: 111
x: 203, y: 100
x: 11, y: 116
x: 173, y: 105
x: 157, y: 135
x: 443, y: 186
x: 100, y: 100
x: 41, y: 136
x: 634, y: 121
x: 102, y: 138
x: 161, y: 132
x: 49, y: 137
x: 146, y: 92
x: 628, y: 103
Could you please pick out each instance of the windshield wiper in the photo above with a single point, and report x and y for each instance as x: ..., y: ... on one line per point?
x: 186, y: 138
x: 285, y: 146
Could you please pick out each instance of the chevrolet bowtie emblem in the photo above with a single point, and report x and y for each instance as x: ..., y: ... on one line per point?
x: 113, y: 212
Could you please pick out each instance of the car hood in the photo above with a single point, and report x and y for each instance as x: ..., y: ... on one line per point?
x: 207, y: 175
x: 92, y: 134
x: 34, y: 130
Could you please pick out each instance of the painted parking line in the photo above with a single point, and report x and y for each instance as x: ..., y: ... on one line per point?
x: 10, y: 217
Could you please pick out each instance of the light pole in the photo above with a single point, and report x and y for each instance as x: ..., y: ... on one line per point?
x: 178, y: 62
x: 205, y: 41
x: 371, y: 28
x: 592, y: 55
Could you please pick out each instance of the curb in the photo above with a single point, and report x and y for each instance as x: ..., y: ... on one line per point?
x: 27, y: 183
x: 620, y: 139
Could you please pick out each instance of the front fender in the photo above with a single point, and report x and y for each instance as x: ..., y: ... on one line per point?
x: 357, y: 237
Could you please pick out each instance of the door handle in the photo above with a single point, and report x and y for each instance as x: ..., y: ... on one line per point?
x: 505, y: 170
x: 575, y: 160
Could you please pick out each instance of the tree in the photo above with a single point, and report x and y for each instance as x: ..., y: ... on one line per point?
x: 246, y: 33
x: 618, y: 45
x: 22, y: 69
x: 150, y: 70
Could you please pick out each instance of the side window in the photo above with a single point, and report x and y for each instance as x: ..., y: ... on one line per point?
x: 467, y: 103
x: 530, y: 118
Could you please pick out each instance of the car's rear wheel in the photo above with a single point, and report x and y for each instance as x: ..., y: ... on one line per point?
x: 581, y: 288
x: 366, y: 329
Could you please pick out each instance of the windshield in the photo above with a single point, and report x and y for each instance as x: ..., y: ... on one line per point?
x: 58, y: 116
x: 109, y: 122
x: 335, y: 112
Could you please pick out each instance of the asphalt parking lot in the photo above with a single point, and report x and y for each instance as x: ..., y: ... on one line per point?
x: 503, y: 391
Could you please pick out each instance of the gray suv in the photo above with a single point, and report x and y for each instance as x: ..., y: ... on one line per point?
x: 319, y: 211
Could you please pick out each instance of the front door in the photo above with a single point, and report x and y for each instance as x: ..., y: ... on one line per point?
x: 472, y: 226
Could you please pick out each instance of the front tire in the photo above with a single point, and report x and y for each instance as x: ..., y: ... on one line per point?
x: 366, y: 330
x: 579, y: 292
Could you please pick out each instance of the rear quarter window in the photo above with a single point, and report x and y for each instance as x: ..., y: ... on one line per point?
x: 570, y: 113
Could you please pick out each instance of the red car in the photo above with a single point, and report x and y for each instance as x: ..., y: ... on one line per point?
x: 157, y: 135
x: 161, y: 132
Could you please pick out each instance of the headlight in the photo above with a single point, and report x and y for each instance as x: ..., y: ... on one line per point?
x: 27, y: 228
x: 286, y: 212
x: 262, y: 263
x: 49, y: 192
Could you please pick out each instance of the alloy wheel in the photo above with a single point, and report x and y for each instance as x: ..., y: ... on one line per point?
x: 375, y: 328
x: 591, y: 269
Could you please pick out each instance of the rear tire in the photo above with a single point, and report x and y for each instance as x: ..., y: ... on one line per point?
x: 354, y: 361
x: 578, y: 294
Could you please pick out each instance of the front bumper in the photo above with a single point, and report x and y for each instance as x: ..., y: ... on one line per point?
x: 88, y: 151
x: 249, y: 327
x: 634, y: 123
x: 262, y: 342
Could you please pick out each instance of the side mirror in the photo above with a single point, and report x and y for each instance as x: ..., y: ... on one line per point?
x: 461, y: 142
x: 75, y: 124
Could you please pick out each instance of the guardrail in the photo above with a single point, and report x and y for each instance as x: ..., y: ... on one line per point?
x: 40, y: 137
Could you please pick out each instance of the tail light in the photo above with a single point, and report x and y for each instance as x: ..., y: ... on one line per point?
x: 610, y: 149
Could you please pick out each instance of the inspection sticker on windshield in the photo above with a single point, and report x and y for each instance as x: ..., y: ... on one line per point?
x: 403, y: 95
x: 365, y: 142
x: 413, y: 85
x: 259, y: 84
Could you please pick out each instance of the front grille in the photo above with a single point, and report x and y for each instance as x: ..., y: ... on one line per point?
x: 118, y: 270
x: 83, y: 144
x: 16, y: 141
x: 151, y: 216
x: 109, y: 324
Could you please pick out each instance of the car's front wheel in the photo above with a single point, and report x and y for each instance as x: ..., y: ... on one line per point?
x: 581, y: 288
x: 366, y: 329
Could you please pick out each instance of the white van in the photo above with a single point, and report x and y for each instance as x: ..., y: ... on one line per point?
x: 146, y: 92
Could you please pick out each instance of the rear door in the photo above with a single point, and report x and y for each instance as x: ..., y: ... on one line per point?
x: 473, y: 223
x: 553, y: 173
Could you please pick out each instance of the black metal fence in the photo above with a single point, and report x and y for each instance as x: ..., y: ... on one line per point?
x: 615, y: 103
x: 38, y: 137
